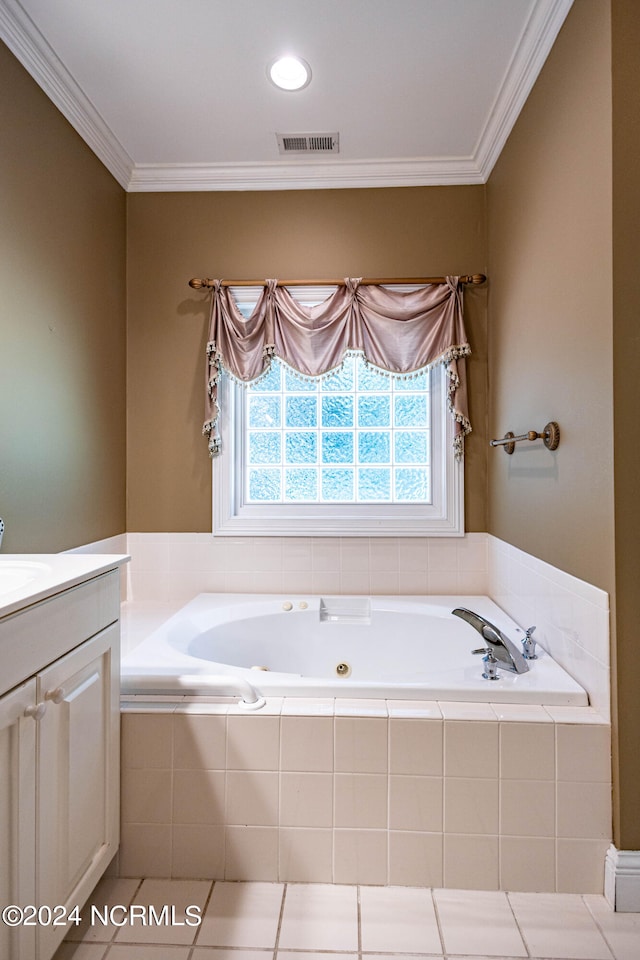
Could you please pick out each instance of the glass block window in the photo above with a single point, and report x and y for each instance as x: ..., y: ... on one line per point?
x: 356, y: 436
x: 358, y: 453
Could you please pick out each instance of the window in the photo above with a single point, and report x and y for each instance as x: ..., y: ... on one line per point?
x: 356, y: 453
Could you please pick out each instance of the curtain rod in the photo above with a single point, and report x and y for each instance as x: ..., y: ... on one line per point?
x: 207, y: 283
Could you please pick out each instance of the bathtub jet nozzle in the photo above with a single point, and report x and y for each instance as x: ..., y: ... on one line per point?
x: 499, y: 646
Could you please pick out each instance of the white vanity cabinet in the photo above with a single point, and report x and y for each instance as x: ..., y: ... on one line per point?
x: 59, y: 758
x: 17, y: 816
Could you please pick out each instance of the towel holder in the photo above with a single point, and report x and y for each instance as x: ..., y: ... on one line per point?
x: 550, y: 436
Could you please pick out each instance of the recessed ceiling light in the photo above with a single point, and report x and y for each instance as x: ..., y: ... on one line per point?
x: 289, y: 73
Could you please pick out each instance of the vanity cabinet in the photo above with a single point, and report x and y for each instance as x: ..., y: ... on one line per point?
x: 59, y: 762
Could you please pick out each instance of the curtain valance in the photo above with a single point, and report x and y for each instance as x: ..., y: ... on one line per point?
x: 398, y: 332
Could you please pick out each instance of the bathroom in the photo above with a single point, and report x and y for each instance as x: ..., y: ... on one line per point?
x: 103, y: 344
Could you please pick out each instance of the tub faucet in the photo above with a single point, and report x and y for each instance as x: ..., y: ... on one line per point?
x: 499, y: 646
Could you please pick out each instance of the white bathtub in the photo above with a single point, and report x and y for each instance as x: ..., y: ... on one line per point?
x: 353, y: 647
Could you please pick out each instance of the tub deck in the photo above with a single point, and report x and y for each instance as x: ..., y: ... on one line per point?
x: 386, y: 648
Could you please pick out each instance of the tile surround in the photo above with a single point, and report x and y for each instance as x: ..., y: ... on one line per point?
x: 571, y: 616
x: 427, y: 801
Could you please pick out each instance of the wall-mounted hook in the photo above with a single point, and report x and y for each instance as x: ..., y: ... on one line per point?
x: 550, y: 436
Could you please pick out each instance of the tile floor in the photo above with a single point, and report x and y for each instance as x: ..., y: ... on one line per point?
x: 297, y: 921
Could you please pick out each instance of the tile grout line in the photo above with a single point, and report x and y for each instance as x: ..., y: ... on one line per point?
x: 280, y: 919
x: 207, y: 901
x: 517, y: 923
x: 436, y: 913
x: 598, y: 925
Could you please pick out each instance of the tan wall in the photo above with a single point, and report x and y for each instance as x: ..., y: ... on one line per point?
x: 62, y: 328
x: 295, y: 234
x: 550, y: 308
x: 625, y: 24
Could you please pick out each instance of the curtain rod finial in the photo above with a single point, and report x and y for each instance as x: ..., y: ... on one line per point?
x: 199, y: 284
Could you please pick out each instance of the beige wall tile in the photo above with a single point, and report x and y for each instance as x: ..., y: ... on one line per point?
x: 415, y: 859
x: 415, y: 746
x: 251, y: 853
x: 583, y: 752
x: 471, y: 863
x: 253, y: 742
x: 527, y: 751
x: 361, y: 744
x: 415, y: 803
x: 198, y: 796
x: 146, y: 796
x: 252, y: 798
x: 360, y: 800
x: 584, y: 810
x: 199, y: 741
x: 296, y: 553
x: 355, y: 582
x: 306, y: 855
x: 145, y: 850
x: 197, y: 850
x: 527, y: 808
x: 470, y: 749
x: 470, y: 806
x: 147, y: 740
x: 360, y: 856
x: 385, y: 582
x: 528, y: 864
x: 306, y: 799
x: 325, y: 581
x: 306, y: 744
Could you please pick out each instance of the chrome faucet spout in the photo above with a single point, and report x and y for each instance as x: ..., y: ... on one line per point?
x: 499, y: 645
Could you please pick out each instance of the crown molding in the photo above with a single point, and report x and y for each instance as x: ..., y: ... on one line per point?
x: 27, y: 43
x: 536, y: 41
x: 336, y: 174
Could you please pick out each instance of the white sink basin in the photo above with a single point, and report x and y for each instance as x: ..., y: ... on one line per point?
x: 15, y: 574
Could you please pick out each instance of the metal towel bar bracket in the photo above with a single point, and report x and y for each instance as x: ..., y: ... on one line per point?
x: 550, y: 436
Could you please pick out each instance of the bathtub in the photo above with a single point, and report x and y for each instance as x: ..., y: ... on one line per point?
x: 349, y: 647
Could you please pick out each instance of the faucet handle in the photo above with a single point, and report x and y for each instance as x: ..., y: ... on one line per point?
x: 479, y: 650
x: 490, y: 671
x: 529, y: 645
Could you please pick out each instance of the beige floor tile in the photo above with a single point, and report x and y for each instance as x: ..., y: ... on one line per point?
x: 398, y: 920
x: 80, y: 951
x: 242, y: 915
x: 621, y: 930
x: 478, y: 923
x: 110, y: 892
x: 310, y: 955
x: 307, y: 908
x: 558, y: 925
x: 220, y: 953
x: 128, y: 951
x: 176, y: 894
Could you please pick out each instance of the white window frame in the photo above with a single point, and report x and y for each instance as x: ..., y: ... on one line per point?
x: 233, y: 517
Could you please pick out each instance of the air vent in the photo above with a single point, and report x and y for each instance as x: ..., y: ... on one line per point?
x: 297, y: 143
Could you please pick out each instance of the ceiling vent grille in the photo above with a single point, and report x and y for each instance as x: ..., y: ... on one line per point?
x: 297, y: 143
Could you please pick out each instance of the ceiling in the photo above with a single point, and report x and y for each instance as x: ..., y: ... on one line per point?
x: 173, y: 94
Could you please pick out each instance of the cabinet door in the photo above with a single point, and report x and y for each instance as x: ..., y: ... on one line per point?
x: 17, y: 815
x: 78, y: 775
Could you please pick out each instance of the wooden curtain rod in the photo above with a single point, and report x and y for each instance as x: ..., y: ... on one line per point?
x: 207, y: 284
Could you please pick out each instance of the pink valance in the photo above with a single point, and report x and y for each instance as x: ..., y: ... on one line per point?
x: 400, y: 333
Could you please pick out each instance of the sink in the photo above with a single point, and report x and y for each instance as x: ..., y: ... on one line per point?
x: 15, y: 574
